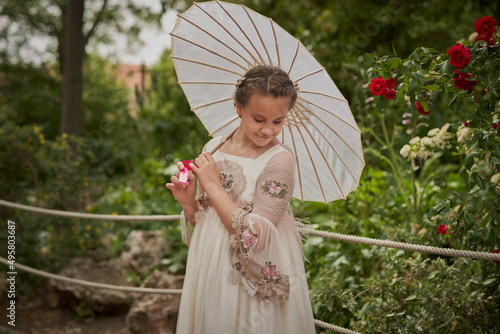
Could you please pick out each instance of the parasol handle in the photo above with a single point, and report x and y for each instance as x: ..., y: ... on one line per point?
x: 223, y: 141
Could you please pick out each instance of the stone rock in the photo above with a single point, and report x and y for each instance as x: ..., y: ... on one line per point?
x: 156, y: 313
x: 101, y: 300
x: 143, y: 250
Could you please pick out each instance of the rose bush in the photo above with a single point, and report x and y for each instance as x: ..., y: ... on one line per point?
x: 465, y: 81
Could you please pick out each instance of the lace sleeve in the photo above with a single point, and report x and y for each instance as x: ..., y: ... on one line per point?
x: 256, y: 248
x: 275, y: 187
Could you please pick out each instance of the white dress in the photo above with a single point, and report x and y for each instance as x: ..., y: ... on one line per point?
x: 252, y: 281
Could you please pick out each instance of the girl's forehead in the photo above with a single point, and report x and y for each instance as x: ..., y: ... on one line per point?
x: 268, y: 106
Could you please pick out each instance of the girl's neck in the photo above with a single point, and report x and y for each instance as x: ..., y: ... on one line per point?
x: 242, y: 144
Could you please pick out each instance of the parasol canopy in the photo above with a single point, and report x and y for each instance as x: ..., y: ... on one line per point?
x: 215, y: 43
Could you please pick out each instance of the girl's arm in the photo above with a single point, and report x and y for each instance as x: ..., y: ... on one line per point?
x: 209, y: 177
x: 272, y: 195
x: 185, y: 194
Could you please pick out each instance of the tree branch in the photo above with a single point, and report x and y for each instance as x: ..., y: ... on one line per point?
x: 98, y: 20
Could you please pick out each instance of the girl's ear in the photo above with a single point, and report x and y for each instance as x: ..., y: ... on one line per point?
x: 238, y: 109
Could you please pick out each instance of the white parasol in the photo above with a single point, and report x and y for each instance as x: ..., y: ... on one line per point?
x: 215, y: 43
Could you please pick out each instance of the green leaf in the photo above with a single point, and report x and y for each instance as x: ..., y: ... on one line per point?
x: 385, y: 66
x: 424, y: 104
x: 432, y: 87
x: 479, y: 180
x: 394, y: 63
x: 468, y: 222
x: 469, y: 161
x: 415, y: 56
x: 369, y: 57
x: 413, y: 85
x: 412, y: 297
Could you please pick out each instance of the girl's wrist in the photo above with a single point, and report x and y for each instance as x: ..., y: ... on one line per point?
x: 213, y: 190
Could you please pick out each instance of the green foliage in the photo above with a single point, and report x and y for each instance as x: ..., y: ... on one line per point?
x: 30, y: 95
x: 172, y: 127
x: 427, y: 76
x: 46, y: 173
x: 416, y: 295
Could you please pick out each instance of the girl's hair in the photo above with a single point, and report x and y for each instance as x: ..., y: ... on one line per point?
x: 265, y: 80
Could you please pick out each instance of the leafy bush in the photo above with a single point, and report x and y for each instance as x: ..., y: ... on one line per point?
x: 467, y: 79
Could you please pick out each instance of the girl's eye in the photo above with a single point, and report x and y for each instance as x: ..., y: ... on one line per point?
x: 278, y: 122
x: 258, y: 120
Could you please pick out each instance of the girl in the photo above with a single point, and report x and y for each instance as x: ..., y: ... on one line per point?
x: 245, y: 271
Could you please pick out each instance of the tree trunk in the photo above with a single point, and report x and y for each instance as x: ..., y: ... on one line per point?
x: 71, y: 116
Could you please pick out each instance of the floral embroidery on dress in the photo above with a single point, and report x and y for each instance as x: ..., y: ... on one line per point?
x: 232, y: 178
x: 270, y: 274
x: 266, y: 281
x: 226, y: 180
x: 248, y: 239
x: 275, y: 189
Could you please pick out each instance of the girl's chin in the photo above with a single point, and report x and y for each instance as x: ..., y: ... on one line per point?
x: 262, y: 141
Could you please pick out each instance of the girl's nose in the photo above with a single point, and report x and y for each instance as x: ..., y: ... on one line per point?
x: 266, y: 131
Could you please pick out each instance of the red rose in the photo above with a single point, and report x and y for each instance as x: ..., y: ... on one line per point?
x: 459, y: 56
x: 461, y: 81
x: 421, y: 110
x: 485, y: 26
x: 496, y: 125
x: 466, y: 124
x: 390, y: 83
x: 443, y: 229
x: 378, y: 86
x: 390, y: 94
x: 488, y: 39
x: 496, y: 252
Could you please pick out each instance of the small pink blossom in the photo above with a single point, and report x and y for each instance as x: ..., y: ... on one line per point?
x: 269, y: 272
x: 273, y: 189
x: 248, y: 238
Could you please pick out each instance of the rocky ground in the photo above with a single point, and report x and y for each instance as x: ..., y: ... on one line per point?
x: 35, y: 317
x: 58, y: 307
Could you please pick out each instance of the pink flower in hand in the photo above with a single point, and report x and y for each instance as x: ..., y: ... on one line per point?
x: 248, y: 238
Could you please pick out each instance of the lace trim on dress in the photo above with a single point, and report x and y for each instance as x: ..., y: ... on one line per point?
x: 265, y: 281
x: 232, y: 178
x: 274, y: 188
x: 185, y: 232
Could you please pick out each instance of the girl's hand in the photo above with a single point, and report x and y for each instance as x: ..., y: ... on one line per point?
x: 184, y: 194
x: 208, y: 174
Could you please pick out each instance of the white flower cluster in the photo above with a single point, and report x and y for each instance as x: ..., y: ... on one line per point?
x: 464, y: 133
x: 422, y: 148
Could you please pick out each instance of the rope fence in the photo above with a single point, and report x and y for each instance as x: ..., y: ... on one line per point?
x: 307, y: 231
x: 318, y: 233
x: 69, y: 214
x: 403, y: 246
x: 88, y: 283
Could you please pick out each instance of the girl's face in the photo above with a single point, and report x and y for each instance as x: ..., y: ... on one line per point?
x: 263, y: 117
